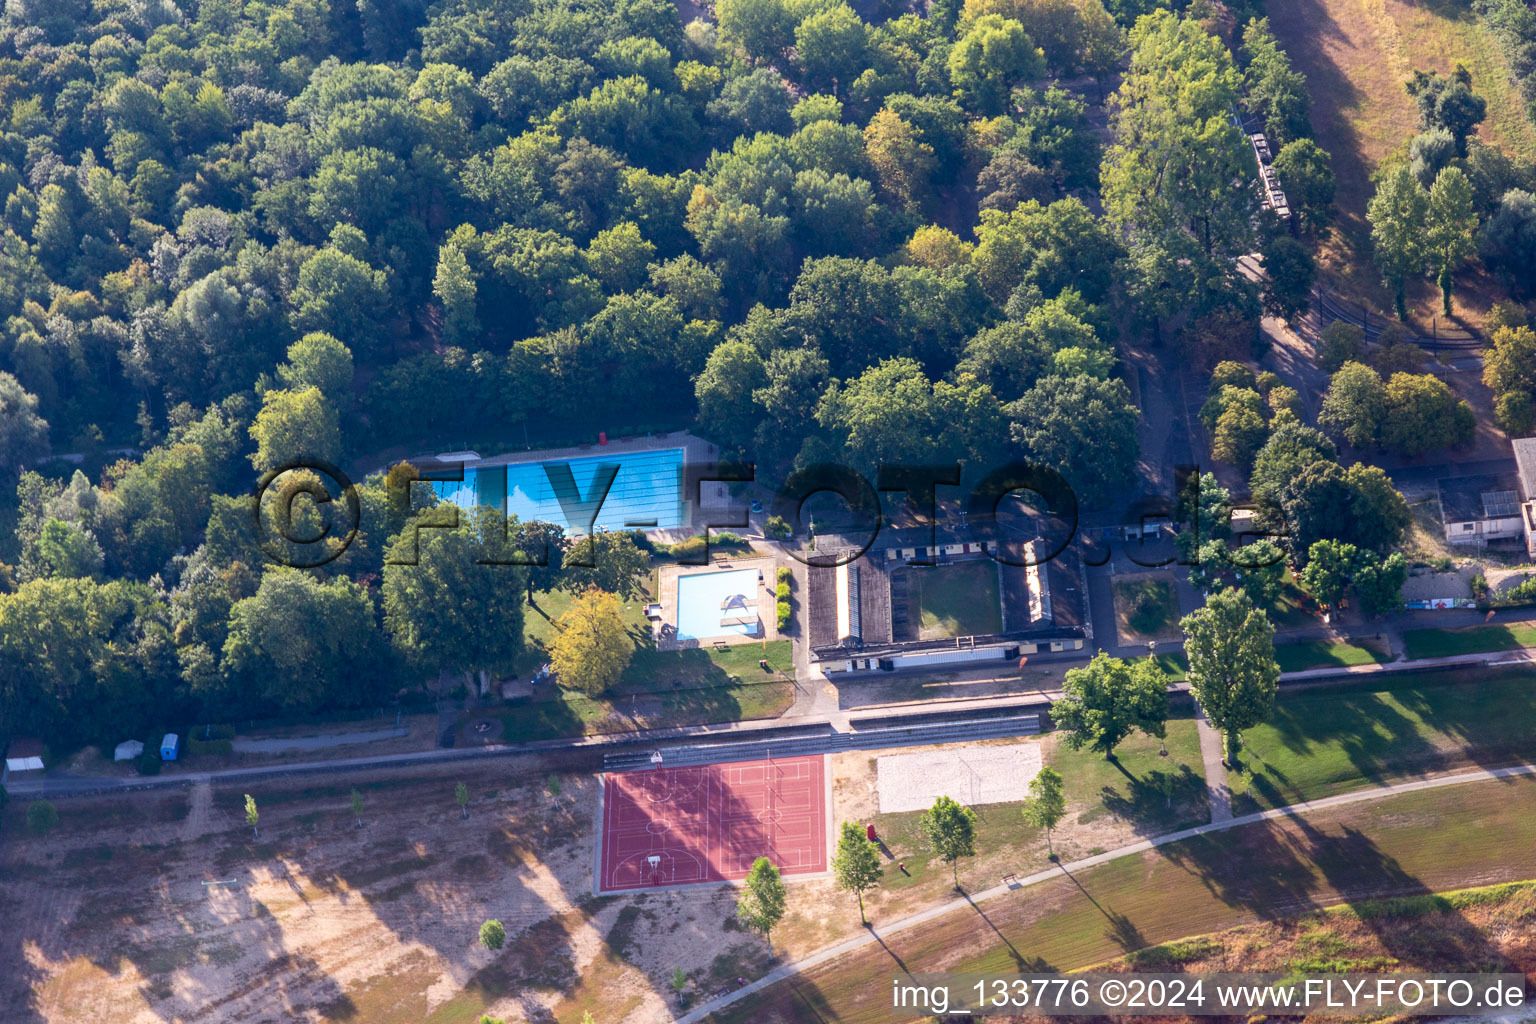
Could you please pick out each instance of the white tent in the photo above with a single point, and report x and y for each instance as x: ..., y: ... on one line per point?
x: 128, y: 750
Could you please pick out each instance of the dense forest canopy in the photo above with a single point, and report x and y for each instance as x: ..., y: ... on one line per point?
x: 238, y: 234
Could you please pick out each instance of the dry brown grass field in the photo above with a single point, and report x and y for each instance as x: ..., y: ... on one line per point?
x: 1356, y: 55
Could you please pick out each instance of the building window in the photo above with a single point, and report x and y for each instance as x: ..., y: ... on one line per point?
x: 1467, y: 527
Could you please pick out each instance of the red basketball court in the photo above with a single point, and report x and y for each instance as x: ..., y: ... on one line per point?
x: 679, y: 826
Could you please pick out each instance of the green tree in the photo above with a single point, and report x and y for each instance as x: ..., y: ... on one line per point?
x: 1331, y: 568
x: 65, y: 549
x: 1239, y: 429
x: 1379, y: 584
x: 1509, y: 371
x: 319, y: 361
x: 829, y: 45
x: 1306, y: 173
x: 537, y: 540
x: 1451, y: 228
x: 856, y: 865
x: 461, y: 797
x: 1423, y: 413
x: 456, y: 286
x: 300, y: 643
x: 993, y: 54
x: 591, y: 647
x: 23, y: 433
x: 1046, y: 804
x: 252, y: 816
x: 1355, y: 406
x: 609, y: 561
x: 1341, y: 342
x: 617, y: 257
x: 1232, y: 670
x: 1276, y: 92
x: 295, y: 427
x: 357, y: 806
x: 42, y: 817
x: 1204, y: 512
x: 481, y: 627
x: 1102, y: 703
x: 892, y: 413
x: 342, y: 296
x: 1176, y: 151
x: 1507, y: 243
x: 1083, y: 427
x: 724, y: 393
x: 904, y: 163
x: 1289, y: 272
x: 763, y: 898
x: 1398, y: 213
x: 950, y: 830
x: 493, y: 935
x: 762, y: 27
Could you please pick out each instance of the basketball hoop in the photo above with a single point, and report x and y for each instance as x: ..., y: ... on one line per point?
x: 656, y: 757
x: 654, y: 860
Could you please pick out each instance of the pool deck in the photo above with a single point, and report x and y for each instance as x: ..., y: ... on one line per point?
x: 666, y: 583
x: 696, y: 450
x: 700, y: 459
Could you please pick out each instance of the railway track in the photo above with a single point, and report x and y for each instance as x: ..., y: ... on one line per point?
x: 1327, y: 308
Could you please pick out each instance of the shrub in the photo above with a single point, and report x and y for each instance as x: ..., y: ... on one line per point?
x: 196, y: 746
x: 1341, y: 343
x: 783, y: 614
x: 783, y: 574
x: 41, y: 818
x: 777, y: 528
x: 783, y: 591
x: 1522, y: 593
x: 492, y: 935
x: 149, y: 761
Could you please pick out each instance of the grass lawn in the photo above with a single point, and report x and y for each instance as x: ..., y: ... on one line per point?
x: 1132, y: 789
x: 659, y: 689
x: 1161, y: 794
x: 1305, y: 654
x: 1327, y: 741
x: 958, y: 599
x: 1403, y: 846
x: 1146, y: 608
x: 1440, y: 643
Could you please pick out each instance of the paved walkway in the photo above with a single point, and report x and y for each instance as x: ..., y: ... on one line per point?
x: 875, y: 934
x: 1215, y: 769
x: 60, y: 785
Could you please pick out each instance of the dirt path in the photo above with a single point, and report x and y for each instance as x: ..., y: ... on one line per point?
x: 199, y: 813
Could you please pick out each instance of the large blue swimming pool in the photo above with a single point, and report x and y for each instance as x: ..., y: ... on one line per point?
x: 644, y: 490
x: 713, y: 604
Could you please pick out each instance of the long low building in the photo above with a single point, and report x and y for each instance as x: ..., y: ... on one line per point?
x: 887, y: 610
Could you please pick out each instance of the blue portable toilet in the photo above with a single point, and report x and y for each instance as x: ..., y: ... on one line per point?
x: 169, y: 747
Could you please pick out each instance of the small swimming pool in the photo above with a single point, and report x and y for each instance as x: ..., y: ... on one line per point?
x: 644, y: 491
x: 711, y: 604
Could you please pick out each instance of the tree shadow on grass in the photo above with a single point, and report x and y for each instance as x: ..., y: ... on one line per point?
x: 1145, y: 804
x: 1259, y: 868
x: 1389, y: 900
x: 1018, y: 958
x: 1122, y: 931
